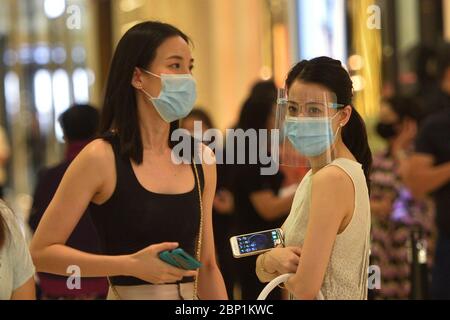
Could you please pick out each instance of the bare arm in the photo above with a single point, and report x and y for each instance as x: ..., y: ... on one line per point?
x: 82, y: 181
x: 421, y: 176
x: 211, y: 284
x: 331, y: 204
x: 86, y: 180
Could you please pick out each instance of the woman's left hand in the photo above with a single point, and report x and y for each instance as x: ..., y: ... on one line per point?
x: 283, y: 260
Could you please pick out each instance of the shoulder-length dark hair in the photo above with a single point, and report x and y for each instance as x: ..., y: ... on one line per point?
x: 137, y: 48
x: 330, y: 74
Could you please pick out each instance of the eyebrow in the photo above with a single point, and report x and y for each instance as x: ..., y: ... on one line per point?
x: 305, y: 101
x: 178, y: 58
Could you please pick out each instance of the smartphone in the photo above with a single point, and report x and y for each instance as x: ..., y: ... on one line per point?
x: 256, y: 243
x: 180, y: 259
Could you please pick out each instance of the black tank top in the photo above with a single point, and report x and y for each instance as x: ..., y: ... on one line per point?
x: 134, y: 218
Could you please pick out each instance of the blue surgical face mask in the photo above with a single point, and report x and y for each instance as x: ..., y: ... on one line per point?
x: 177, y: 97
x: 310, y: 136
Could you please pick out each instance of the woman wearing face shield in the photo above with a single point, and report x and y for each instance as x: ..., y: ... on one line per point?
x: 327, y: 234
x: 141, y: 202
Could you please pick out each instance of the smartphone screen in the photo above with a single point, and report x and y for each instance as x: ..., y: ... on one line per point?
x: 258, y: 241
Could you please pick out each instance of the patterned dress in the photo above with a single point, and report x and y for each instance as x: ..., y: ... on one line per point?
x: 391, y: 234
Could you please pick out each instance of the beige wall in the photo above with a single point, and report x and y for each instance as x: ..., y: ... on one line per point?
x: 446, y: 13
x: 367, y: 44
x: 231, y: 45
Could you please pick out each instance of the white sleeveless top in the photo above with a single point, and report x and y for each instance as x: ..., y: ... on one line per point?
x: 346, y: 275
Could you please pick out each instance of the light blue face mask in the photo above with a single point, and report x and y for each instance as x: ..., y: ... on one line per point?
x: 310, y: 136
x: 177, y: 97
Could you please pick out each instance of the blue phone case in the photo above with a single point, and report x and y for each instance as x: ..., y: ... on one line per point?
x: 166, y: 256
x: 180, y: 259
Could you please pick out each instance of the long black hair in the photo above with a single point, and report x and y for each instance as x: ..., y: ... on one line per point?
x: 137, y: 48
x: 329, y: 73
x: 257, y: 107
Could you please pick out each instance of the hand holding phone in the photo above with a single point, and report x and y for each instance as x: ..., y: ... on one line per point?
x: 256, y: 243
x: 180, y: 259
x: 147, y: 265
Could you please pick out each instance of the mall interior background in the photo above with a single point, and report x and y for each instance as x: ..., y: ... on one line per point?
x: 56, y: 52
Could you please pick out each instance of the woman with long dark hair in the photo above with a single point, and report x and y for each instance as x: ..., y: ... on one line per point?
x: 141, y: 201
x: 327, y: 234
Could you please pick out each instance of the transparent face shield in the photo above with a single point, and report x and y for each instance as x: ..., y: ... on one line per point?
x: 308, y: 126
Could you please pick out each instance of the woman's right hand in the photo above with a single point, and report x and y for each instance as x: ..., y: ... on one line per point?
x: 146, y: 265
x: 282, y: 260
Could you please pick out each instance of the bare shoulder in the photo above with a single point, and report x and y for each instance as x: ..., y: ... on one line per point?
x: 98, y: 150
x: 208, y: 152
x: 95, y: 161
x: 98, y: 154
x: 333, y: 180
x: 95, y: 166
x: 332, y: 197
x: 208, y: 163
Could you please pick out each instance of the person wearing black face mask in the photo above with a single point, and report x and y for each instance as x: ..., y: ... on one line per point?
x: 394, y: 212
x: 427, y: 172
x: 398, y: 122
x: 386, y: 130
